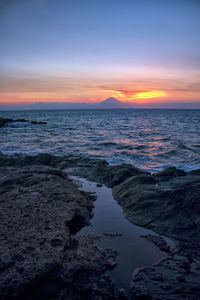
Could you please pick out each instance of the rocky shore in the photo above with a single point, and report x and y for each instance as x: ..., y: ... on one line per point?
x: 40, y: 256
x: 42, y: 210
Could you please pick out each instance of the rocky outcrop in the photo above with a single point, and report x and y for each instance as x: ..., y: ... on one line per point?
x: 93, y: 169
x: 171, y: 278
x: 40, y: 258
x: 6, y: 121
x: 37, y: 197
x: 158, y: 241
x: 40, y: 122
x: 168, y: 203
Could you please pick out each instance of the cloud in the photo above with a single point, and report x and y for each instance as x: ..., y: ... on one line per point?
x: 44, y: 88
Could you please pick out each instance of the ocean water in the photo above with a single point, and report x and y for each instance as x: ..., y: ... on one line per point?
x: 149, y: 139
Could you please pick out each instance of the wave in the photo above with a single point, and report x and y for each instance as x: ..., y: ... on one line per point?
x: 154, y: 139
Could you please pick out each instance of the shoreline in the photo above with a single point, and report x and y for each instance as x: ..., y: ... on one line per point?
x: 163, y: 149
x: 147, y: 200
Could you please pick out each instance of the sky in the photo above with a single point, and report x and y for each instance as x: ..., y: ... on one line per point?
x: 138, y: 51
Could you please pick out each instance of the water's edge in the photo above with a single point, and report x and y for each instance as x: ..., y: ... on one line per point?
x: 148, y: 139
x: 115, y: 231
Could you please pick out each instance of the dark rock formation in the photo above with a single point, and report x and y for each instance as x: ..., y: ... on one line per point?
x: 31, y: 189
x: 169, y: 173
x: 40, y: 258
x: 36, y: 122
x: 176, y: 278
x: 21, y: 120
x: 117, y: 174
x: 170, y: 207
x: 6, y: 121
x: 158, y: 241
x: 169, y: 203
x: 99, y: 170
x: 92, y: 169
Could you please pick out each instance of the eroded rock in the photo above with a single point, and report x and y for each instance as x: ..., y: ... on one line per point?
x: 167, y: 202
x: 40, y: 258
x: 170, y: 207
x: 167, y: 280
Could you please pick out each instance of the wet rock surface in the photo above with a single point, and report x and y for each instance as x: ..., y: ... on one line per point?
x: 166, y: 202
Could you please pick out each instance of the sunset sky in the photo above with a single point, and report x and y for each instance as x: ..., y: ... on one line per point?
x: 140, y: 51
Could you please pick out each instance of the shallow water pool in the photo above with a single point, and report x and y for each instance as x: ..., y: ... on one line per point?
x: 134, y: 251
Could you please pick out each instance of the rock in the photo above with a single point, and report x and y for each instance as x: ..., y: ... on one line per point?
x: 184, y: 265
x: 123, y: 294
x: 169, y: 173
x: 111, y: 264
x: 4, y: 121
x: 180, y: 278
x: 194, y: 172
x: 22, y: 120
x: 38, y: 123
x: 40, y: 258
x: 162, y: 282
x: 120, y: 173
x: 99, y: 170
x: 43, y: 158
x: 170, y: 208
x: 92, y: 169
x: 167, y: 202
x: 158, y: 241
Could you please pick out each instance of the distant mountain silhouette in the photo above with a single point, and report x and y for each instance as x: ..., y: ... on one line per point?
x: 111, y: 103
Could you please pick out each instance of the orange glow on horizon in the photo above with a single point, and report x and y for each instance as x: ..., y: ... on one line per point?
x: 27, y: 92
x: 149, y: 95
x: 128, y: 95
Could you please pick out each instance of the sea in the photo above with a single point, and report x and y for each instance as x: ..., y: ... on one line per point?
x: 151, y: 139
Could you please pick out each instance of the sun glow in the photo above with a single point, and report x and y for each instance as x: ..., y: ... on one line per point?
x: 149, y: 94
x: 130, y: 94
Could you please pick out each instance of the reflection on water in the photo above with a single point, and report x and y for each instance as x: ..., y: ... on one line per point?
x: 134, y: 251
x: 150, y: 139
